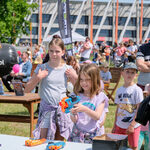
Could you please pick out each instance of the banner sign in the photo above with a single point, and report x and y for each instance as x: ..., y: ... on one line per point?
x: 64, y: 24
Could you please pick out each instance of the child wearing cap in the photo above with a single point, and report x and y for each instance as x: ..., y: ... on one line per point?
x: 19, y: 57
x: 105, y: 74
x: 144, y: 129
x: 128, y: 97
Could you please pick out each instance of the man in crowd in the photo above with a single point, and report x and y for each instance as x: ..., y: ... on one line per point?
x: 143, y: 63
x: 85, y: 50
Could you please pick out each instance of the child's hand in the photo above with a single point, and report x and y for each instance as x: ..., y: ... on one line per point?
x: 130, y: 129
x: 42, y: 74
x: 73, y: 116
x: 12, y: 74
x: 79, y: 108
x: 73, y: 112
x: 71, y: 75
x: 101, y: 124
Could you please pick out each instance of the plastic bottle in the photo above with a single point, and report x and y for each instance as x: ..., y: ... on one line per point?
x: 1, y: 87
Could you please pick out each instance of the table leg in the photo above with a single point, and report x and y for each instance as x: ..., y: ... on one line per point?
x: 31, y: 119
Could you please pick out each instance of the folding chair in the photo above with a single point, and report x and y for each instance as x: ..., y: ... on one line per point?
x: 116, y: 75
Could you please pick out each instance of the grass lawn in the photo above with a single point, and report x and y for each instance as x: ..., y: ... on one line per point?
x: 22, y: 129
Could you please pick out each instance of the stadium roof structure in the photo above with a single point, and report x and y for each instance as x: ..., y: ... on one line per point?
x: 120, y: 1
x: 131, y: 21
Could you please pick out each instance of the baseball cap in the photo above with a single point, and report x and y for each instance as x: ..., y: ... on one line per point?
x: 107, y: 46
x: 130, y: 65
x: 19, y: 52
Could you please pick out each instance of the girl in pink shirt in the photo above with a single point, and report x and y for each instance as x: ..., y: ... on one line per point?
x: 120, y: 50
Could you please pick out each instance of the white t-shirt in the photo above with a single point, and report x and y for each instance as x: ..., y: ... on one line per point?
x: 21, y: 65
x: 86, y: 53
x: 127, y: 99
x: 131, y: 49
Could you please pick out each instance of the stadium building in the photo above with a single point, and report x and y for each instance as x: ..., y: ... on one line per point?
x: 104, y: 18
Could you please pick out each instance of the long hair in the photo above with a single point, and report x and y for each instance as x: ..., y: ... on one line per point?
x: 58, y: 42
x: 92, y: 71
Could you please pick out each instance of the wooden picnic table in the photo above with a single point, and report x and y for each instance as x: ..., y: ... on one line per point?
x: 28, y: 101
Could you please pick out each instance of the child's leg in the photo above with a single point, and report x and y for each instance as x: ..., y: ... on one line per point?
x: 43, y: 133
x: 141, y: 138
x: 146, y: 140
x: 45, y: 125
x: 57, y: 134
x: 133, y: 138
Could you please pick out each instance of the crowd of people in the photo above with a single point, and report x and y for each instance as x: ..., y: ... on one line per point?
x: 86, y: 74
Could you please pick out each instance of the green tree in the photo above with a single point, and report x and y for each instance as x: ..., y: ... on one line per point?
x: 13, y: 21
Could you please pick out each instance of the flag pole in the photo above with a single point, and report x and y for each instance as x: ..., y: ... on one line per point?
x: 116, y: 26
x: 31, y: 40
x: 91, y: 33
x: 40, y: 23
x: 141, y: 20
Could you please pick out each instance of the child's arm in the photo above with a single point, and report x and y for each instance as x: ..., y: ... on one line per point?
x: 74, y: 117
x: 142, y: 66
x: 113, y: 129
x: 36, y: 78
x: 102, y: 123
x: 130, y: 129
x: 71, y: 75
x: 93, y: 114
x: 106, y: 82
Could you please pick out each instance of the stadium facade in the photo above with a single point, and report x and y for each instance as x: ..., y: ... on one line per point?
x: 129, y: 14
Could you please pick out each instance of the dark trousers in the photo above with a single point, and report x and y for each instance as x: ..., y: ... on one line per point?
x: 7, y: 78
x: 83, y: 59
x: 131, y: 59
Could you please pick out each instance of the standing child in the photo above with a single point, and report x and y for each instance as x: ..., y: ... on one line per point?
x: 52, y: 123
x: 128, y: 98
x: 91, y: 108
x: 105, y: 74
x: 107, y: 53
x: 144, y: 129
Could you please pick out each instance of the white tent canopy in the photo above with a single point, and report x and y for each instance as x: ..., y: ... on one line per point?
x: 75, y: 37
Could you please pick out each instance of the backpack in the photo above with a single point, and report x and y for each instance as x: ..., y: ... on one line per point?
x: 143, y: 113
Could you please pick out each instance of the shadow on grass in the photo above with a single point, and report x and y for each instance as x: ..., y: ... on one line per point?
x: 18, y: 113
x: 112, y: 104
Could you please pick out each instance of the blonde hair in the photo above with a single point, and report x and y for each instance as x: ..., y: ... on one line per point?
x: 58, y: 42
x: 92, y: 71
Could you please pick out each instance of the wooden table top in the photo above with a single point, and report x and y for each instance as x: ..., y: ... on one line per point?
x: 11, y: 97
